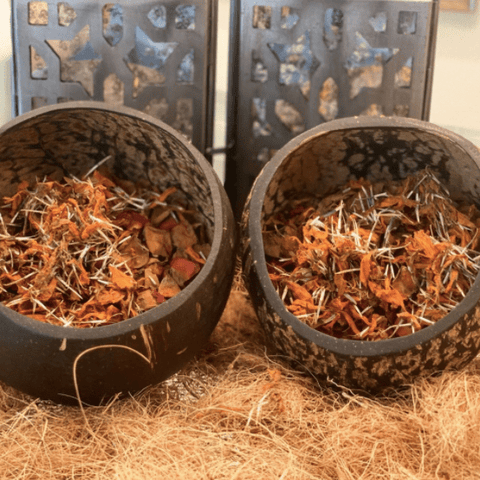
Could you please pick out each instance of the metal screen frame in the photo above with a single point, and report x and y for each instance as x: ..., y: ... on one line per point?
x: 183, y: 99
x: 263, y: 48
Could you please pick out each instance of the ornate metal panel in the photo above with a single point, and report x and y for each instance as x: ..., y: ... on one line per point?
x: 155, y: 56
x: 298, y: 63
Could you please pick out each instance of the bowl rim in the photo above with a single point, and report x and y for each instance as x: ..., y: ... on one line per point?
x: 164, y: 310
x: 347, y: 347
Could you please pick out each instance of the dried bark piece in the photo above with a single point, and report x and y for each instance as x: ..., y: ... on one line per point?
x: 136, y: 255
x: 183, y: 236
x: 159, y: 214
x: 159, y: 242
x: 168, y: 287
x: 183, y: 270
x: 146, y: 300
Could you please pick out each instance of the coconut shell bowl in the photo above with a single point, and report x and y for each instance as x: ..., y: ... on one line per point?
x: 319, y: 162
x: 65, y: 364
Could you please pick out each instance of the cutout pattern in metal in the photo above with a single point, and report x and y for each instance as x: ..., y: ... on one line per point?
x: 314, y: 61
x: 157, y: 57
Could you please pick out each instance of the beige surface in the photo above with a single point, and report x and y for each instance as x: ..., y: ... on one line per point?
x: 237, y: 414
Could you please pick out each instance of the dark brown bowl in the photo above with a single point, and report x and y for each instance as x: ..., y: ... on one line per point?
x: 319, y: 161
x: 40, y: 359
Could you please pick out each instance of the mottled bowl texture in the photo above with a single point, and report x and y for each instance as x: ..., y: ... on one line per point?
x: 319, y: 161
x: 39, y: 358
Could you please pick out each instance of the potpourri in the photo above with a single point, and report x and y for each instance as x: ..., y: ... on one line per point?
x: 374, y: 261
x: 92, y: 252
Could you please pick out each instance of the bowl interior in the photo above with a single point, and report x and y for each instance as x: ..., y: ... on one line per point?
x: 324, y: 159
x: 327, y: 160
x: 71, y: 140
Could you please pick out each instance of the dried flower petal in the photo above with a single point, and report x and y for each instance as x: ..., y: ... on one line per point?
x: 121, y: 280
x: 68, y: 239
x: 374, y: 261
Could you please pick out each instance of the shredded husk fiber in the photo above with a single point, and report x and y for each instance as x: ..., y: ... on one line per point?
x: 236, y: 413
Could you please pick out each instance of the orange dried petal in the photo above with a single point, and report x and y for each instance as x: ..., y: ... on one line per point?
x: 102, y: 180
x: 121, y: 280
x: 194, y: 255
x: 340, y: 283
x: 164, y: 195
x: 452, y: 280
x: 83, y: 277
x: 47, y: 292
x: 106, y: 297
x: 350, y: 322
x: 389, y: 295
x: 299, y: 292
x: 365, y: 268
x: 93, y: 227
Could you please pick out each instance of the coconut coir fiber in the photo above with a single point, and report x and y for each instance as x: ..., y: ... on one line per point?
x: 238, y: 413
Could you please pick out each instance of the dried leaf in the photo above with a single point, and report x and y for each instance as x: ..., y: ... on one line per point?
x: 159, y: 214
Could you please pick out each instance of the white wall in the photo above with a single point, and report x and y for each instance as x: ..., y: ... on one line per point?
x: 456, y: 84
x: 5, y: 61
x: 456, y: 78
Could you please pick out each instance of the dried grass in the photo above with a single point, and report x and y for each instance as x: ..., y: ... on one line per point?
x: 236, y: 413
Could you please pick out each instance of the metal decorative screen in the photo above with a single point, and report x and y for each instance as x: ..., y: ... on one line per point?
x: 157, y: 57
x: 297, y: 64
